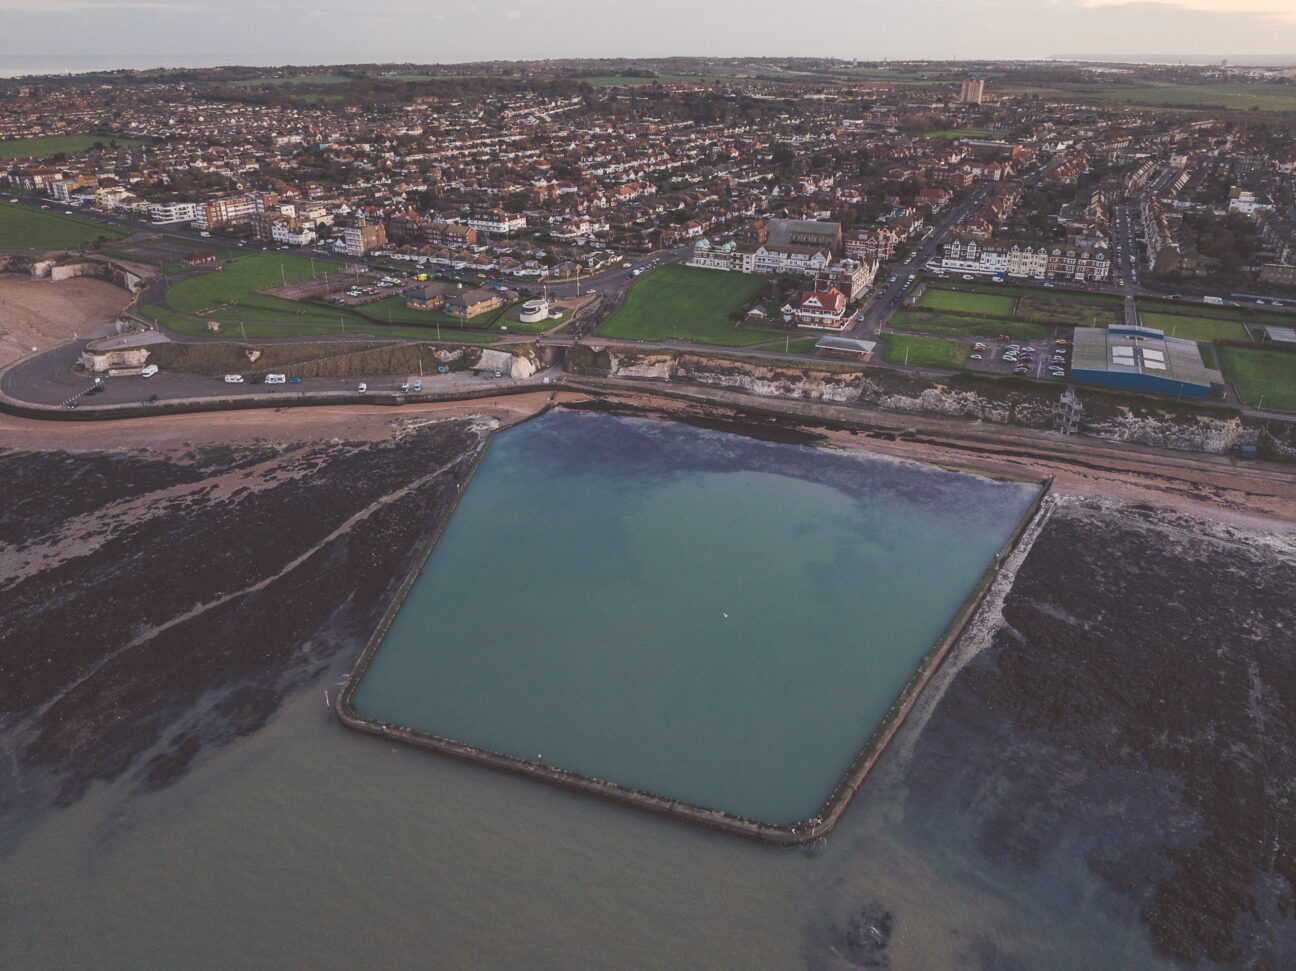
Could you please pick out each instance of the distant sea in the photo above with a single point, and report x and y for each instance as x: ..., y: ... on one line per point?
x: 1235, y: 60
x: 19, y: 65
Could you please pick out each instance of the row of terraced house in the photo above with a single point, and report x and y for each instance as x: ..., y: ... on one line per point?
x: 1025, y: 259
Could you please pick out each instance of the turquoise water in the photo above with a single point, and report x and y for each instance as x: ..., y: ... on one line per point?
x: 690, y: 612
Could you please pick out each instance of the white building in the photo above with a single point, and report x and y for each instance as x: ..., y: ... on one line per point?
x: 162, y: 213
x: 498, y: 222
x: 282, y: 232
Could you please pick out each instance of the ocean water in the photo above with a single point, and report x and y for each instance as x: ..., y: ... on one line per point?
x: 688, y: 612
x: 307, y: 845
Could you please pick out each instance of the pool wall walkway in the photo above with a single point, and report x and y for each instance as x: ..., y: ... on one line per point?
x: 785, y: 834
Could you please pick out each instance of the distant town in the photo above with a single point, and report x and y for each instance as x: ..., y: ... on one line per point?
x: 872, y: 203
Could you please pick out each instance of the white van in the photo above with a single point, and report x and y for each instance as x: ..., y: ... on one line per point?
x: 275, y: 379
x: 233, y: 379
x: 149, y: 371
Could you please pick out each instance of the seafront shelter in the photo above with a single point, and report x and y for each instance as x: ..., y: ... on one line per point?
x: 1141, y: 359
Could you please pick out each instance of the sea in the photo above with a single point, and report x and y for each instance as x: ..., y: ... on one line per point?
x: 307, y: 845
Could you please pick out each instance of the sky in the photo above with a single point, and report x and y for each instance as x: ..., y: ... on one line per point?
x: 94, y: 34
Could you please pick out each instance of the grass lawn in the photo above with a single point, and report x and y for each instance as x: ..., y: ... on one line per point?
x: 193, y: 327
x: 1196, y: 328
x: 295, y: 79
x: 394, y: 309
x: 231, y: 293
x: 617, y: 81
x: 803, y: 346
x: 1071, y: 310
x: 924, y: 352
x: 987, y: 305
x: 949, y: 133
x: 1242, y: 97
x: 1262, y: 378
x: 689, y: 303
x: 933, y: 322
x: 48, y: 145
x: 23, y: 227
x: 1183, y: 308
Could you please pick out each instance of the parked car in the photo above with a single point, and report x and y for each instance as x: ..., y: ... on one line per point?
x: 233, y: 379
x: 974, y: 357
x: 362, y: 389
x: 418, y: 385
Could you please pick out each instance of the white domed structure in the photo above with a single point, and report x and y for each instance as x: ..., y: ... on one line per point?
x: 534, y: 311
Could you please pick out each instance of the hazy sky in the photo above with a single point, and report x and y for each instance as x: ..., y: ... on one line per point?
x: 179, y: 32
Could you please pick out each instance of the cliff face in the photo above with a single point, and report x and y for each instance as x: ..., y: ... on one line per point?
x: 776, y: 381
x: 802, y: 383
x: 1031, y: 405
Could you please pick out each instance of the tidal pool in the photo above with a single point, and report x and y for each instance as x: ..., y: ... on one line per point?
x: 693, y: 613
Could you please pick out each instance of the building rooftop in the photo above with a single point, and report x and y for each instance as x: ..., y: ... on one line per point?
x: 832, y: 343
x: 1140, y: 352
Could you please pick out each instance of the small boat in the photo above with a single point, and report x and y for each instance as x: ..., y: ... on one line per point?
x: 326, y: 699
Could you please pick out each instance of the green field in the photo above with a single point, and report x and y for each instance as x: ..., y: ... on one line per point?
x: 1033, y: 305
x: 622, y: 81
x: 1196, y: 328
x: 934, y: 322
x: 194, y: 327
x: 1184, y: 308
x: 1241, y: 97
x: 231, y: 293
x: 24, y: 227
x: 232, y: 296
x: 1071, y: 309
x: 951, y: 133
x: 924, y: 352
x: 689, y: 303
x: 394, y: 310
x: 295, y: 79
x: 28, y: 147
x: 1264, y: 379
x: 959, y: 301
x: 803, y: 346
